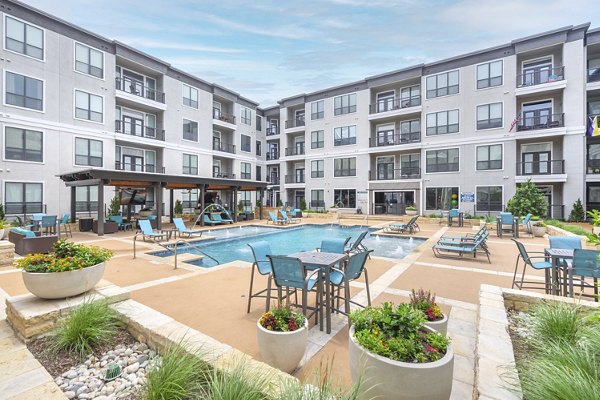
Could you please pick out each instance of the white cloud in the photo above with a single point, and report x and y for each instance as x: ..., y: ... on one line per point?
x: 171, y: 45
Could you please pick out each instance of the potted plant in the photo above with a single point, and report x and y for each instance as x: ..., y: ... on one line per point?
x: 71, y: 270
x: 425, y: 301
x: 411, y: 210
x: 282, y: 338
x: 178, y: 208
x: 400, y: 358
x: 595, y: 219
x: 538, y: 227
x: 115, y: 206
x: 145, y: 212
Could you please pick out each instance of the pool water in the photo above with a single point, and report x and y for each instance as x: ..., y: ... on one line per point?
x: 232, y: 244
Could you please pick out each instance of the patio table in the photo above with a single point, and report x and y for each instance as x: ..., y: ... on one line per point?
x: 323, y: 261
x: 555, y: 256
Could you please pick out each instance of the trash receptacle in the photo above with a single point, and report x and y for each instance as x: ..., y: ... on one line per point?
x: 85, y: 224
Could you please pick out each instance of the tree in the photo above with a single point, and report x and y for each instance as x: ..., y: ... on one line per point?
x: 577, y: 213
x: 279, y: 203
x: 302, y: 204
x: 528, y: 199
x: 115, y: 206
x: 178, y: 207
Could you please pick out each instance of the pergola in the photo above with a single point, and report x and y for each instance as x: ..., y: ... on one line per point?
x: 134, y: 179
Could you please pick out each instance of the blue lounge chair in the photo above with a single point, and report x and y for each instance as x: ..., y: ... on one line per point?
x: 261, y: 250
x: 228, y: 219
x: 148, y: 232
x: 287, y: 219
x: 526, y: 222
x: 410, y: 227
x: 274, y: 219
x: 207, y: 221
x: 216, y: 217
x: 65, y: 222
x: 357, y: 246
x: 183, y: 230
x: 443, y: 250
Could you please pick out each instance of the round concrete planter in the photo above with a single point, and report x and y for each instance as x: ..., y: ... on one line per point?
x: 386, y: 379
x: 60, y: 285
x: 411, y: 212
x: 144, y: 214
x: 538, y: 231
x: 282, y: 350
x: 439, y: 326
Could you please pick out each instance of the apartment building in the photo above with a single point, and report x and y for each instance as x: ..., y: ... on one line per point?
x: 462, y: 132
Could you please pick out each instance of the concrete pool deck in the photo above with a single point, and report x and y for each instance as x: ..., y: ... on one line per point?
x: 213, y: 301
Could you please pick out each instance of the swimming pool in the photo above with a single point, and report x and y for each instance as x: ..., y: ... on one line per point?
x: 231, y: 244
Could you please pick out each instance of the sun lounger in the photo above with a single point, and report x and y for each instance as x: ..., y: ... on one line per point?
x: 148, y: 232
x: 357, y: 246
x: 216, y: 217
x: 207, y: 221
x: 410, y: 227
x: 274, y: 219
x: 461, y: 248
x: 182, y: 230
x: 287, y: 219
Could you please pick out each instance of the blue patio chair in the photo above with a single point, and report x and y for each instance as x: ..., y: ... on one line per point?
x: 455, y: 213
x: 49, y: 224
x: 273, y: 218
x: 585, y: 265
x: 148, y: 232
x: 339, y: 279
x: 506, y: 222
x: 121, y: 224
x: 529, y: 260
x: 526, y: 222
x: 216, y: 217
x: 260, y: 250
x: 334, y: 245
x: 64, y: 222
x: 182, y: 230
x: 289, y: 273
x: 207, y: 221
x: 287, y: 219
x: 357, y: 246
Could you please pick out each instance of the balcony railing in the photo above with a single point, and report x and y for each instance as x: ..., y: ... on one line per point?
x: 223, y: 174
x: 273, y: 180
x: 128, y: 128
x: 272, y: 130
x: 272, y: 155
x: 538, y: 77
x: 384, y: 105
x: 541, y: 167
x: 18, y: 207
x: 121, y: 166
x: 221, y: 116
x: 296, y: 178
x: 137, y: 88
x: 86, y: 206
x: 293, y: 123
x: 394, y: 140
x: 541, y: 122
x: 294, y: 151
x: 391, y: 174
x: 593, y: 166
x: 225, y: 147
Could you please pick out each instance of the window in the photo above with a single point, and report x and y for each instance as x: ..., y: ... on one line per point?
x: 190, y: 198
x: 317, y: 198
x: 441, y: 198
x: 442, y: 160
x: 344, y: 135
x: 344, y: 166
x: 86, y: 198
x: 23, y: 198
x: 88, y: 106
x: 246, y: 116
x: 88, y: 152
x: 317, y: 139
x: 489, y: 116
x: 246, y: 171
x: 385, y: 135
x: 442, y: 122
x: 410, y: 165
x: 23, y: 91
x: 410, y: 96
x: 489, y: 74
x: 190, y: 96
x: 258, y: 148
x: 317, y: 109
x: 89, y: 61
x: 24, y: 38
x: 317, y: 169
x: 385, y: 167
x: 23, y: 145
x: 442, y: 84
x: 190, y: 130
x: 345, y: 198
x: 489, y: 198
x: 258, y: 123
x: 344, y: 104
x: 258, y: 173
x: 246, y: 143
x: 190, y: 164
x: 410, y: 130
x: 489, y: 157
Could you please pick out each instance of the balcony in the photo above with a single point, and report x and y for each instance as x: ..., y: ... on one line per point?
x: 294, y: 151
x: 224, y: 147
x: 272, y: 155
x: 272, y: 130
x: 539, y: 77
x: 273, y: 180
x: 550, y: 167
x: 393, y: 174
x: 121, y: 166
x: 294, y: 123
x: 540, y: 122
x: 127, y: 128
x: 218, y: 115
x: 385, y: 105
x: 136, y: 88
x: 223, y: 174
x: 593, y: 166
x: 297, y: 178
x: 395, y: 139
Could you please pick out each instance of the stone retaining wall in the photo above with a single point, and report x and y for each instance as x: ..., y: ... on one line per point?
x: 7, y: 253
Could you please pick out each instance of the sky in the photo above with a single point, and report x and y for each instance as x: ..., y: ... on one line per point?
x: 267, y: 50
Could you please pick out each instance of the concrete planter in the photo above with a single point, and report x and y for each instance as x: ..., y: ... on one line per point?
x: 388, y: 379
x: 282, y: 350
x: 144, y: 214
x: 439, y: 326
x: 538, y: 231
x: 60, y: 285
x: 411, y: 212
x: 596, y: 230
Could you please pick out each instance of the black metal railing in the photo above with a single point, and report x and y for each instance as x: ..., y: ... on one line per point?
x: 272, y: 155
x: 391, y: 174
x: 225, y: 147
x: 541, y: 167
x: 273, y: 180
x: 137, y: 88
x: 593, y: 74
x: 86, y: 206
x: 294, y: 151
x: 538, y: 77
x: 272, y: 130
x: 541, y: 122
x: 128, y: 128
x: 384, y: 105
x: 293, y: 123
x: 394, y: 140
x: 556, y: 211
x: 221, y: 116
x: 223, y: 174
x: 388, y: 208
x: 15, y: 208
x: 295, y: 178
x: 593, y: 166
x: 121, y: 166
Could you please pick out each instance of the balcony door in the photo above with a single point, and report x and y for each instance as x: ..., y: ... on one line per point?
x: 216, y: 168
x: 216, y: 140
x: 536, y: 159
x: 299, y: 114
x: 133, y: 163
x: 385, y: 101
x: 537, y: 115
x: 536, y: 72
x: 385, y: 135
x: 133, y: 126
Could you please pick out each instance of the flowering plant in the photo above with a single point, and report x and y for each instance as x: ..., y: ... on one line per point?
x: 397, y: 332
x: 425, y: 301
x: 282, y: 319
x: 67, y: 256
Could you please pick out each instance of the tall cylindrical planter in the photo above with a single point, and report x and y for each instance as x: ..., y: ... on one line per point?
x: 60, y: 285
x: 440, y: 326
x: 386, y: 379
x: 282, y: 350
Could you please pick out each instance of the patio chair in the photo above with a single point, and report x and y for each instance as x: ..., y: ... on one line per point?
x: 148, y: 232
x: 335, y: 245
x: 506, y: 222
x: 208, y: 221
x: 584, y: 265
x: 182, y: 230
x: 23, y: 224
x: 64, y: 222
x: 260, y: 251
x: 274, y: 219
x: 289, y: 272
x: 216, y: 217
x: 357, y: 246
x: 529, y: 260
x: 444, y: 250
x: 121, y: 224
x: 339, y: 279
x: 287, y: 219
x: 455, y: 213
x: 526, y: 222
x: 49, y: 224
x: 564, y: 242
x: 410, y: 227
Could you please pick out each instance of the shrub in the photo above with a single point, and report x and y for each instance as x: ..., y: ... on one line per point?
x: 67, y: 256
x: 279, y: 203
x: 411, y: 208
x: 577, y: 213
x: 527, y: 199
x: 282, y: 319
x: 425, y: 301
x: 115, y: 206
x: 595, y: 216
x: 178, y: 207
x: 302, y: 204
x: 2, y: 215
x: 555, y: 322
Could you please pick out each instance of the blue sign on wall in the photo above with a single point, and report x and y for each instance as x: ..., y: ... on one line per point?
x: 467, y: 197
